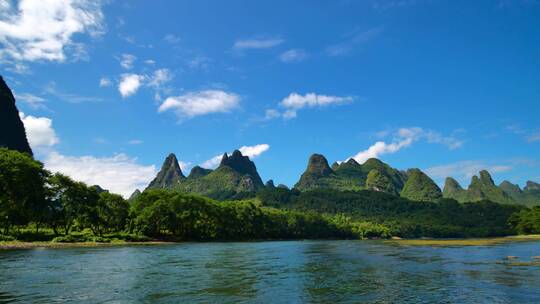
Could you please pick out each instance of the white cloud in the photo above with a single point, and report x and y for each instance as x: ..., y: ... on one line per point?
x: 295, y: 102
x: 200, y: 103
x: 35, y: 102
x: 244, y: 44
x: 403, y: 138
x: 271, y: 114
x: 294, y: 55
x: 39, y: 131
x: 254, y: 151
x: 159, y: 78
x: 213, y: 162
x: 118, y: 174
x: 464, y: 170
x: 105, y: 82
x: 43, y: 30
x: 150, y: 62
x: 250, y: 151
x: 129, y: 84
x: 135, y: 142
x: 127, y: 61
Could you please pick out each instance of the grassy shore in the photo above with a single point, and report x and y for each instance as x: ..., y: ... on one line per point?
x: 10, y: 245
x: 464, y: 242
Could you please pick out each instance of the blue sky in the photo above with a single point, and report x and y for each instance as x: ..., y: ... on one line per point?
x: 109, y: 89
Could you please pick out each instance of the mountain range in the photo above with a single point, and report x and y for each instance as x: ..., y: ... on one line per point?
x: 238, y: 174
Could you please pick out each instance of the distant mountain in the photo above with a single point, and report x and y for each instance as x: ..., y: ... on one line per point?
x: 12, y: 133
x: 531, y: 186
x: 236, y: 173
x: 350, y: 175
x: 482, y: 187
x: 198, y: 171
x: 420, y: 187
x: 134, y: 195
x: 170, y: 175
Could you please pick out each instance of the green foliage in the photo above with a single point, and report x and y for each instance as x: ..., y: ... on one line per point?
x: 191, y: 217
x: 420, y: 187
x: 378, y: 181
x: 403, y: 217
x: 526, y: 221
x: 22, y: 191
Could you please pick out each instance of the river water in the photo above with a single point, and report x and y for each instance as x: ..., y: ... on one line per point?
x: 272, y: 272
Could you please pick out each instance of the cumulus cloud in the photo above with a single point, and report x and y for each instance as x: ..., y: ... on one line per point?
x: 403, y: 138
x: 127, y: 60
x: 464, y: 170
x: 39, y: 131
x: 129, y: 84
x: 212, y: 162
x: 200, y: 103
x: 43, y: 30
x: 119, y: 173
x: 244, y: 44
x: 295, y: 102
x: 254, y: 151
x: 294, y: 55
x: 250, y: 151
x: 105, y: 82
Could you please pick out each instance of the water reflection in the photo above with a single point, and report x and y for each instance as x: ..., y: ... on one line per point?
x: 283, y: 272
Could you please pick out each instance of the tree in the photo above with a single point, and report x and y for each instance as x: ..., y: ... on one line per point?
x: 22, y: 193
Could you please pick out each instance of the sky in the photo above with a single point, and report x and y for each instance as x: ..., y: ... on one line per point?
x: 106, y: 89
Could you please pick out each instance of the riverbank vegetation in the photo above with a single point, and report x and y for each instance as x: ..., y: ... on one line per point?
x: 37, y: 205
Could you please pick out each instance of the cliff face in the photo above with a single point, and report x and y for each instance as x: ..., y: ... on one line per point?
x: 12, y: 133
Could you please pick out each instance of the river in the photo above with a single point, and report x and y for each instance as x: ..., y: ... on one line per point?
x: 272, y: 272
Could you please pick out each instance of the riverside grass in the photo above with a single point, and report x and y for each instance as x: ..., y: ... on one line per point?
x: 464, y: 242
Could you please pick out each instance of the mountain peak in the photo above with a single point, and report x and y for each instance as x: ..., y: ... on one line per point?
x: 134, y: 195
x: 452, y: 184
x: 420, y: 187
x: 352, y: 162
x: 373, y: 162
x: 486, y: 179
x: 318, y: 165
x: 12, y: 132
x: 532, y: 186
x: 169, y: 175
x: 198, y: 171
x: 510, y: 188
x: 243, y: 165
x: 270, y: 184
